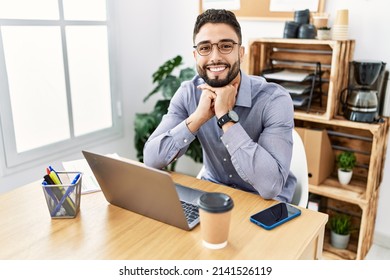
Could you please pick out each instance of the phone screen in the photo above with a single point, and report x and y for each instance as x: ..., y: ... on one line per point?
x: 275, y: 215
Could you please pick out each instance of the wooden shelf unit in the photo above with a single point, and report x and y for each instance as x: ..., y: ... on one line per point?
x: 368, y: 140
x: 360, y: 198
x: 268, y: 53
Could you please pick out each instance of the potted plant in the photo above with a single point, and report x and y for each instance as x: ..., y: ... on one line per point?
x: 346, y: 161
x: 340, y: 230
x: 324, y: 33
x: 167, y: 84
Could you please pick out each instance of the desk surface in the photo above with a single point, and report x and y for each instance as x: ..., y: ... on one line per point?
x: 104, y: 231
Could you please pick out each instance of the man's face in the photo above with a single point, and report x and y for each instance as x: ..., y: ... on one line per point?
x: 218, y: 69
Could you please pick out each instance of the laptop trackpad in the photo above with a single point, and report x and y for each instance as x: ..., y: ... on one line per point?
x: 187, y: 194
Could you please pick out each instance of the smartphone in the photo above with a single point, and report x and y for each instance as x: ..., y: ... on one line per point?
x: 275, y: 215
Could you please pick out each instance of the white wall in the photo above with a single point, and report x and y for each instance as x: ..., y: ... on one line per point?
x: 149, y: 32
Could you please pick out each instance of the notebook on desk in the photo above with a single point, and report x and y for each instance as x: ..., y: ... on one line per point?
x: 144, y: 190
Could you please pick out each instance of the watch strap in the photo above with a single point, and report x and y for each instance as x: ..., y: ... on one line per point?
x: 224, y: 119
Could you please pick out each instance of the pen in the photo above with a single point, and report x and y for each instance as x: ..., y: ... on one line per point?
x: 76, y: 178
x: 49, y: 192
x: 51, y: 169
x: 52, y: 179
x: 66, y: 196
x: 56, y: 191
x: 48, y: 180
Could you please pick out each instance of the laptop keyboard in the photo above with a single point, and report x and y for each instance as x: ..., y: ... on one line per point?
x: 191, y: 211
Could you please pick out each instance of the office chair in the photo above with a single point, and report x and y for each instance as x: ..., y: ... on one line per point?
x: 298, y: 167
x: 199, y: 176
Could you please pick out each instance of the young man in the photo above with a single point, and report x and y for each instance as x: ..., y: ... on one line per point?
x: 243, y: 123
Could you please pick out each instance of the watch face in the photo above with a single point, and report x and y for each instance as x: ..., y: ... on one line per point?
x: 233, y: 115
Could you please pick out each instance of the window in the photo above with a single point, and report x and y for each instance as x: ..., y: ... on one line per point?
x: 55, y: 82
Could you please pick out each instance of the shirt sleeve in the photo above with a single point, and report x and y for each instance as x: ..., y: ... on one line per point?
x: 171, y: 138
x: 264, y: 164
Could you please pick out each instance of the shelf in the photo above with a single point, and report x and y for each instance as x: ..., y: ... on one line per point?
x: 332, y: 188
x: 341, y: 121
x: 304, y: 54
x: 333, y: 253
x: 309, y: 42
x: 326, y: 255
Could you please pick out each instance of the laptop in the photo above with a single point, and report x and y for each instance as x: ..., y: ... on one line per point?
x: 144, y: 190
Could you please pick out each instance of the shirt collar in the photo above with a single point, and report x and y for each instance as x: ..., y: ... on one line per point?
x: 244, y: 97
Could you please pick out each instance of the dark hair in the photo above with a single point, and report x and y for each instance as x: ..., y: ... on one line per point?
x: 218, y: 16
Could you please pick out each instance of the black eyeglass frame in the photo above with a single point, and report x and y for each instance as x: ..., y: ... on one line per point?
x: 217, y: 44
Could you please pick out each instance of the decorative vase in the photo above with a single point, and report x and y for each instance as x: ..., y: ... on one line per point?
x: 344, y: 176
x: 339, y: 241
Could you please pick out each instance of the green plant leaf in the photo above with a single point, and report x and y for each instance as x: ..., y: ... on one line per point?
x: 166, y: 83
x: 155, y: 90
x: 346, y: 160
x: 169, y: 86
x: 144, y: 125
x: 341, y: 224
x: 160, y: 109
x: 166, y: 69
x: 186, y: 74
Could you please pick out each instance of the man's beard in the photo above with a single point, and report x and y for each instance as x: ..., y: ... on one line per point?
x: 216, y: 82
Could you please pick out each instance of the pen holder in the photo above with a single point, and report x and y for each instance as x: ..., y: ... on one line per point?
x: 63, y: 200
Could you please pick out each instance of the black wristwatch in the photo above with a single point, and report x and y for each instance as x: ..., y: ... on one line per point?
x: 231, y: 116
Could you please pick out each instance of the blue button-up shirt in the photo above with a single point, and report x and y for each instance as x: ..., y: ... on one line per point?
x: 253, y: 155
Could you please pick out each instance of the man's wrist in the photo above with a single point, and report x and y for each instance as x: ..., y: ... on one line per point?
x: 229, y: 117
x: 188, y: 124
x: 192, y: 125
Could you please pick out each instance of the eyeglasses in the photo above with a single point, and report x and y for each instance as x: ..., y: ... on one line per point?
x: 224, y: 47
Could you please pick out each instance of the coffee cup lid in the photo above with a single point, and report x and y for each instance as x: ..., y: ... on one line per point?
x: 215, y: 202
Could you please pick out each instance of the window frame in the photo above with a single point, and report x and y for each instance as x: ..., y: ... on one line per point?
x: 11, y: 160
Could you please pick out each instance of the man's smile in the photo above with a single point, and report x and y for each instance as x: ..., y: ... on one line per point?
x: 216, y: 68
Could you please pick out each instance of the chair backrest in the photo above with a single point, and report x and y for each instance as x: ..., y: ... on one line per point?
x: 299, y: 168
x: 199, y: 176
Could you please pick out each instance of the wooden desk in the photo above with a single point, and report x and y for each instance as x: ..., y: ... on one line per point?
x: 104, y: 231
